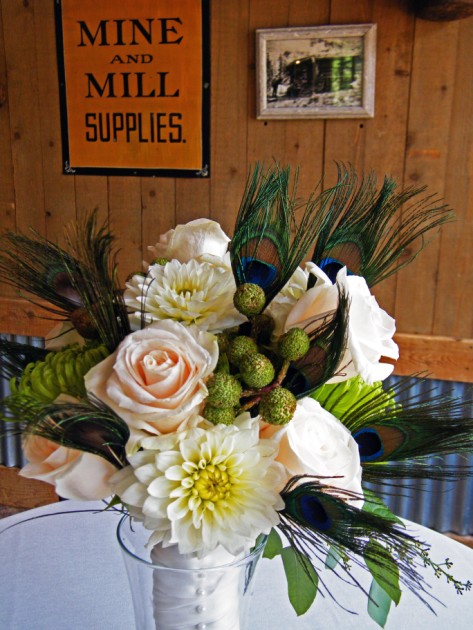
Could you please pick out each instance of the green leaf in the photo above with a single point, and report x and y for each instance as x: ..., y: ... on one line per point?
x: 332, y: 559
x: 273, y: 545
x: 385, y: 571
x: 379, y: 604
x: 374, y: 505
x: 302, y: 580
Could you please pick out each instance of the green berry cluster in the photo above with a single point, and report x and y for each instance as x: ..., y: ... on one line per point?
x: 250, y: 371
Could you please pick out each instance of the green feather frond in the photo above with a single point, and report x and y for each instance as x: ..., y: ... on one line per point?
x: 338, y: 398
x: 400, y: 437
x: 88, y: 426
x: 328, y: 341
x: 371, y: 231
x: 266, y: 220
x: 60, y: 372
x: 316, y: 517
x: 15, y: 356
x: 96, y: 281
x: 37, y: 266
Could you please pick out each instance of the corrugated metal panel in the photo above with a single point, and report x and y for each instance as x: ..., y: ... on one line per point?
x: 443, y: 506
x: 10, y: 445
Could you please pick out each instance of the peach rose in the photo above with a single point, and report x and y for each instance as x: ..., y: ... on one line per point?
x: 155, y: 380
x: 75, y: 474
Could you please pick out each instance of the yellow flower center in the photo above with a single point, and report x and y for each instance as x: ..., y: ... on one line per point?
x: 212, y: 484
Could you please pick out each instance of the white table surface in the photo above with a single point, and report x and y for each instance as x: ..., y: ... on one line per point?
x: 65, y: 571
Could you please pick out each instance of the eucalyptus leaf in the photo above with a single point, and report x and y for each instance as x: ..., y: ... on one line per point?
x: 302, y: 580
x: 379, y: 604
x: 374, y: 505
x: 385, y: 570
x: 273, y: 545
x: 332, y: 559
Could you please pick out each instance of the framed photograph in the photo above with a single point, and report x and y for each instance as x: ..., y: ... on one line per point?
x: 316, y: 72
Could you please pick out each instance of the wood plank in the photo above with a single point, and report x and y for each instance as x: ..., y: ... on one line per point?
x: 23, y: 95
x: 7, y: 188
x: 19, y: 492
x: 453, y: 307
x: 19, y: 317
x: 304, y: 139
x: 159, y: 203
x: 430, y: 106
x: 125, y: 222
x: 443, y: 358
x: 385, y: 135
x: 59, y: 196
x: 229, y: 125
x: 192, y: 199
x: 266, y: 138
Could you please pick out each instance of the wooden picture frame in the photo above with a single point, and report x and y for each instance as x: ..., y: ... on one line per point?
x: 316, y: 72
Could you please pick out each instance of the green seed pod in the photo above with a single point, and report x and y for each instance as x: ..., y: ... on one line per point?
x: 240, y: 347
x: 257, y: 370
x: 224, y: 390
x: 219, y: 415
x: 249, y: 299
x: 294, y: 344
x: 278, y: 406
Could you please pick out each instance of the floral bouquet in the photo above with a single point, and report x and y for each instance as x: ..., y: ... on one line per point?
x: 235, y: 387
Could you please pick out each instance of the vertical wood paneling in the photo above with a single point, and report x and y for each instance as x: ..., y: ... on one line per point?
x: 431, y: 97
x: 385, y: 135
x: 304, y: 139
x: 125, y: 219
x: 59, y: 197
x: 453, y: 306
x: 23, y: 96
x: 158, y: 197
x: 422, y: 133
x: 7, y: 189
x: 230, y: 61
x: 266, y: 138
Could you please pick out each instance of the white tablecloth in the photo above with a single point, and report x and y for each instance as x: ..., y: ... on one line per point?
x: 65, y: 572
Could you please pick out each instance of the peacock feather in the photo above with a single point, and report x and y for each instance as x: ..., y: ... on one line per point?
x: 88, y: 426
x: 37, y: 266
x: 80, y: 285
x: 262, y: 251
x: 15, y: 356
x: 371, y: 231
x: 328, y: 341
x: 317, y: 517
x: 395, y: 439
x: 97, y: 280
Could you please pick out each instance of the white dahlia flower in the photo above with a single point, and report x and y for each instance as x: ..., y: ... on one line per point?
x: 194, y: 292
x: 201, y: 488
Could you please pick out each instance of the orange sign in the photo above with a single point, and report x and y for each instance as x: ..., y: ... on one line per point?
x: 134, y: 80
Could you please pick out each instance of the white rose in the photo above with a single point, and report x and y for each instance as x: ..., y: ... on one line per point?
x: 370, y: 329
x: 192, y: 240
x: 155, y: 380
x: 75, y: 474
x: 316, y: 443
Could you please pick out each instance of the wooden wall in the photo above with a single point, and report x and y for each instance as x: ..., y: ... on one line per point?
x: 422, y: 133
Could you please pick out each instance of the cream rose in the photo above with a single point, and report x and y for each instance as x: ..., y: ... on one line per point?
x: 155, y: 380
x: 316, y: 443
x: 75, y: 474
x: 192, y: 240
x: 370, y: 329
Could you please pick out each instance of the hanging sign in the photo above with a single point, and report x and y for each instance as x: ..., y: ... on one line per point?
x: 135, y: 86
